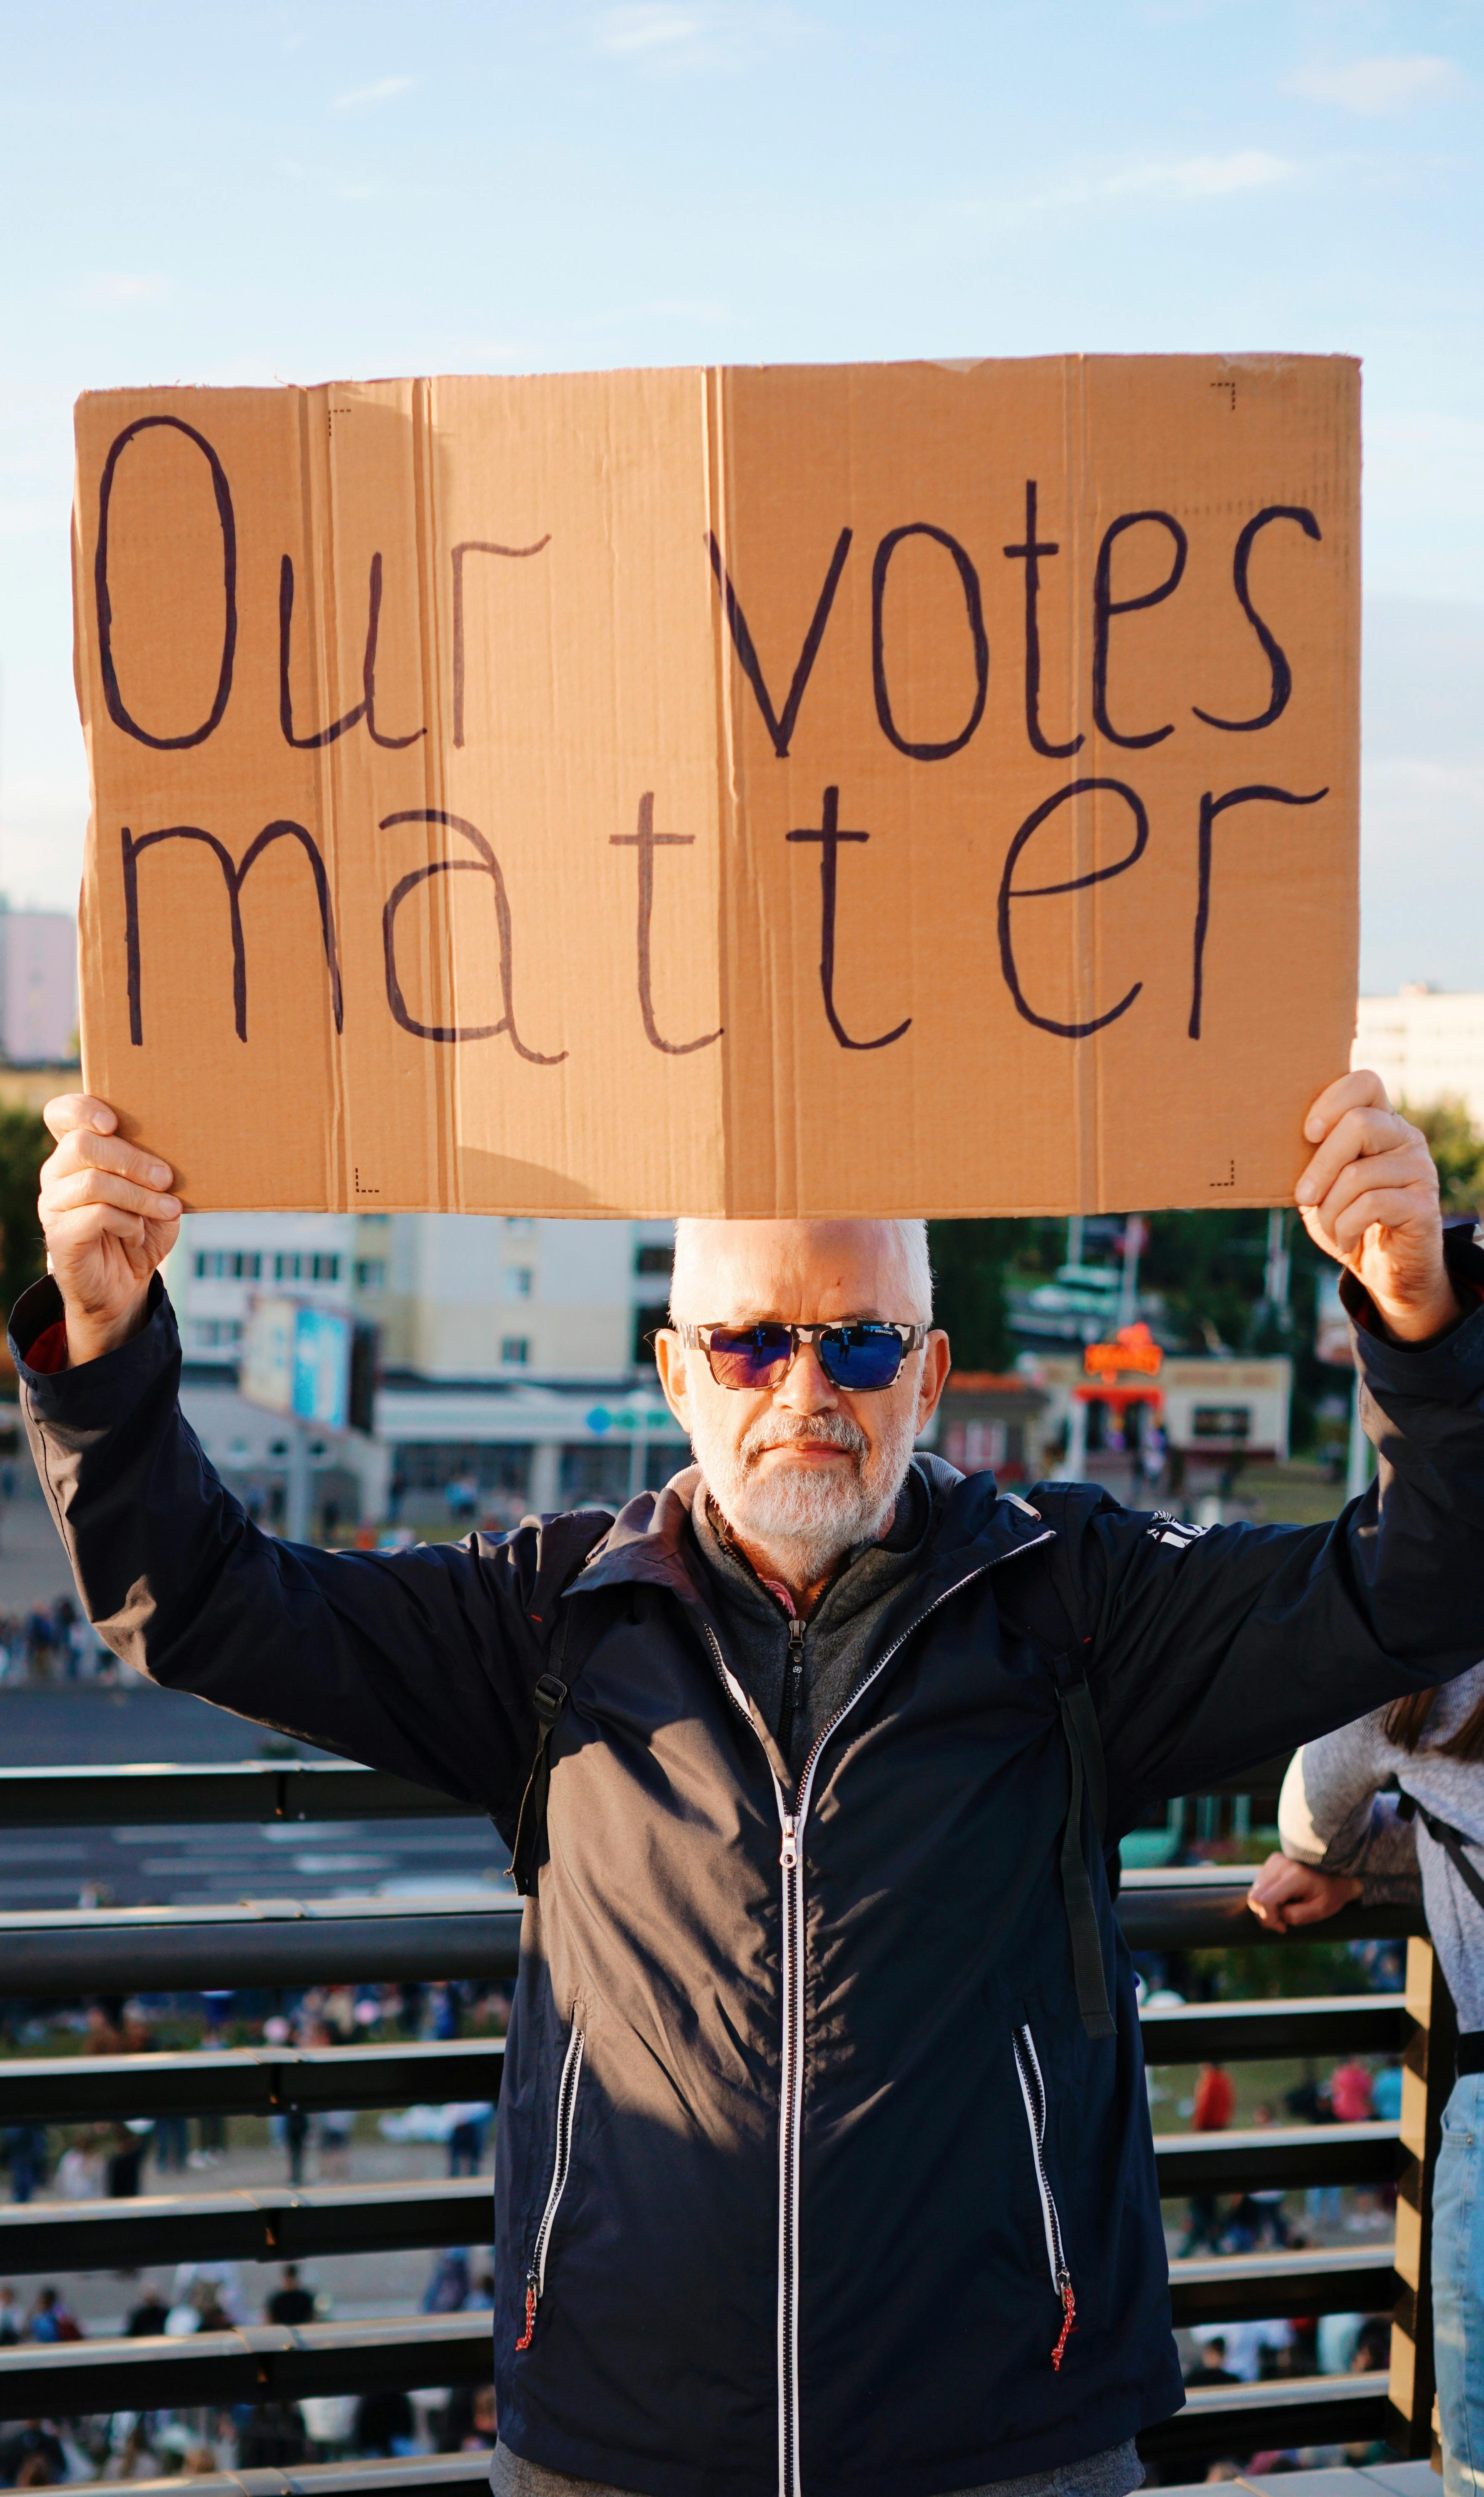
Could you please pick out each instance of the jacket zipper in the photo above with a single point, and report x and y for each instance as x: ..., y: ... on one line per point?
x: 1028, y: 2067
x: 790, y: 2078
x: 561, y: 2161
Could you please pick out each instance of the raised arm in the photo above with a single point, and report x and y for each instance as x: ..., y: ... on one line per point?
x: 419, y: 1661
x: 1211, y: 1652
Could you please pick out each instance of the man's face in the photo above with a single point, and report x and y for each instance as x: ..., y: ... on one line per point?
x: 803, y: 1467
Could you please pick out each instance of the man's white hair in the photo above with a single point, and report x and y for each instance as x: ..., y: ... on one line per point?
x: 912, y: 1238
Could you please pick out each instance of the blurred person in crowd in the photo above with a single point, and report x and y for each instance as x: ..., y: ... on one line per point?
x: 1209, y: 2365
x: 52, y: 2321
x: 384, y: 2424
x: 290, y: 2302
x: 26, y: 2156
x: 479, y: 2436
x: 130, y: 2456
x: 168, y: 2144
x: 9, y: 2317
x: 1210, y: 2112
x: 1350, y: 2092
x: 466, y: 2138
x: 336, y: 2127
x: 35, y: 2449
x: 149, y: 2317
x: 448, y: 2290
x: 1392, y: 1809
x: 271, y: 2436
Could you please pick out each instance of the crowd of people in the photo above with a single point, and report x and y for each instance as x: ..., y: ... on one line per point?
x: 53, y: 1643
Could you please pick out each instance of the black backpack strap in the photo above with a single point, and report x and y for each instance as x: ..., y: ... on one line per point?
x: 565, y: 1559
x: 1452, y: 1842
x: 1045, y: 1597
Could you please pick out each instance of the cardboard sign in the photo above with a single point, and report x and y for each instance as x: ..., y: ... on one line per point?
x: 915, y: 788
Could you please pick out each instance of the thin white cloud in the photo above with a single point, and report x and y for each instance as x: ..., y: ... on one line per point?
x: 693, y: 34
x: 1198, y: 177
x: 380, y: 91
x: 652, y: 26
x: 1384, y: 82
x: 109, y: 286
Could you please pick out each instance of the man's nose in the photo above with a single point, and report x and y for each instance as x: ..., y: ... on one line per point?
x: 807, y: 1389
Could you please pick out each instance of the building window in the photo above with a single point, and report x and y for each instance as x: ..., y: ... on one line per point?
x: 519, y: 1283
x: 370, y: 1274
x: 217, y: 1334
x: 307, y: 1266
x: 515, y: 1350
x: 654, y: 1259
x: 227, y: 1265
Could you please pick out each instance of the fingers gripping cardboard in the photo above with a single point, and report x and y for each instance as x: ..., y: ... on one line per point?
x: 898, y: 789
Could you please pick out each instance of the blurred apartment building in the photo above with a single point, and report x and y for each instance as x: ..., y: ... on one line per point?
x: 511, y: 1368
x: 38, y: 986
x: 1427, y: 1045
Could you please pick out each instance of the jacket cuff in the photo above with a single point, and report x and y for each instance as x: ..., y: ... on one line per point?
x: 97, y: 1392
x: 1450, y: 1366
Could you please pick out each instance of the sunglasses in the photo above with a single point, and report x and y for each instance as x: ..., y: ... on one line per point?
x: 858, y: 1354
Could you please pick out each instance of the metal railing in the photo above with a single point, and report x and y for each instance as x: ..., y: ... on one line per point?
x: 293, y: 1943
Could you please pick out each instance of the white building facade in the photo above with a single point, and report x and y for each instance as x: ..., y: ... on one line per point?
x: 512, y: 1367
x: 1427, y: 1045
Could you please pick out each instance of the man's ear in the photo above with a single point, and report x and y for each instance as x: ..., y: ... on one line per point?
x: 670, y: 1362
x: 937, y: 1361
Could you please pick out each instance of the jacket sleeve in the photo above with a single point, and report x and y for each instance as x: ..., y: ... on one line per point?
x: 1210, y: 1651
x: 1333, y: 1812
x: 418, y: 1662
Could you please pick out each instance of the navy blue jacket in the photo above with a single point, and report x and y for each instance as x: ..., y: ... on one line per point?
x: 809, y: 2177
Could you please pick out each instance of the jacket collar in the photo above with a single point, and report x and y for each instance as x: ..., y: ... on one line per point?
x: 975, y: 1527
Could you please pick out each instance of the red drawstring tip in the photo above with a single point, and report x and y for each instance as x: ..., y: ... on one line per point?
x: 1068, y: 2325
x: 526, y: 2336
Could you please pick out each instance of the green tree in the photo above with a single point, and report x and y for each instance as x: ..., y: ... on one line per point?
x: 971, y: 1262
x: 1458, y: 1150
x: 24, y: 1145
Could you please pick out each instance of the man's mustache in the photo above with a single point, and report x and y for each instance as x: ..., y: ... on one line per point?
x: 786, y: 1430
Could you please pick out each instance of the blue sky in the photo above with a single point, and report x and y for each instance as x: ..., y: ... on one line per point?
x: 243, y: 193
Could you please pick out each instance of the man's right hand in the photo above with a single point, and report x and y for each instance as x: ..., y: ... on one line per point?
x: 108, y: 1222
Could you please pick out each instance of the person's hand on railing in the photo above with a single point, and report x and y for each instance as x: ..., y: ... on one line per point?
x: 108, y: 1223
x: 1285, y: 1893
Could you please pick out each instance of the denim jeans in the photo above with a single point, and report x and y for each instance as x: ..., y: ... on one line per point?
x: 1458, y: 2288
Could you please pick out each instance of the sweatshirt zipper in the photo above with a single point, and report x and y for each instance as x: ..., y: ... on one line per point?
x: 561, y: 2161
x: 1028, y: 2067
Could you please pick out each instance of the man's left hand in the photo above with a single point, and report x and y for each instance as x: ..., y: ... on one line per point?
x: 1370, y: 1200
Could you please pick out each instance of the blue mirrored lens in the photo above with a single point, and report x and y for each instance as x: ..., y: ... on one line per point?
x: 752, y: 1356
x: 860, y: 1357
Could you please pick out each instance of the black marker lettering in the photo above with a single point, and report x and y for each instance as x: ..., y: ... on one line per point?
x: 830, y: 837
x: 365, y: 708
x: 1211, y: 808
x: 1010, y: 892
x: 1032, y: 553
x: 369, y: 672
x: 486, y: 863
x: 779, y: 727
x: 1276, y: 657
x: 646, y: 840
x: 1105, y: 607
x: 926, y: 752
x: 474, y: 546
x: 104, y: 605
x: 235, y: 878
x: 321, y: 736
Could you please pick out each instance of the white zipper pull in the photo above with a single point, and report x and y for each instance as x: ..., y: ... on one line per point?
x: 788, y: 1852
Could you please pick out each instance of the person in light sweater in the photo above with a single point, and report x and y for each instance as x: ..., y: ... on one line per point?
x: 1392, y: 1808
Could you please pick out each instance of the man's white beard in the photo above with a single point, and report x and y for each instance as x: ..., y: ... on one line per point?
x: 811, y: 1514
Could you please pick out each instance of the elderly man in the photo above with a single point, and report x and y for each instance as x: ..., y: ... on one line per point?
x: 824, y: 2160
